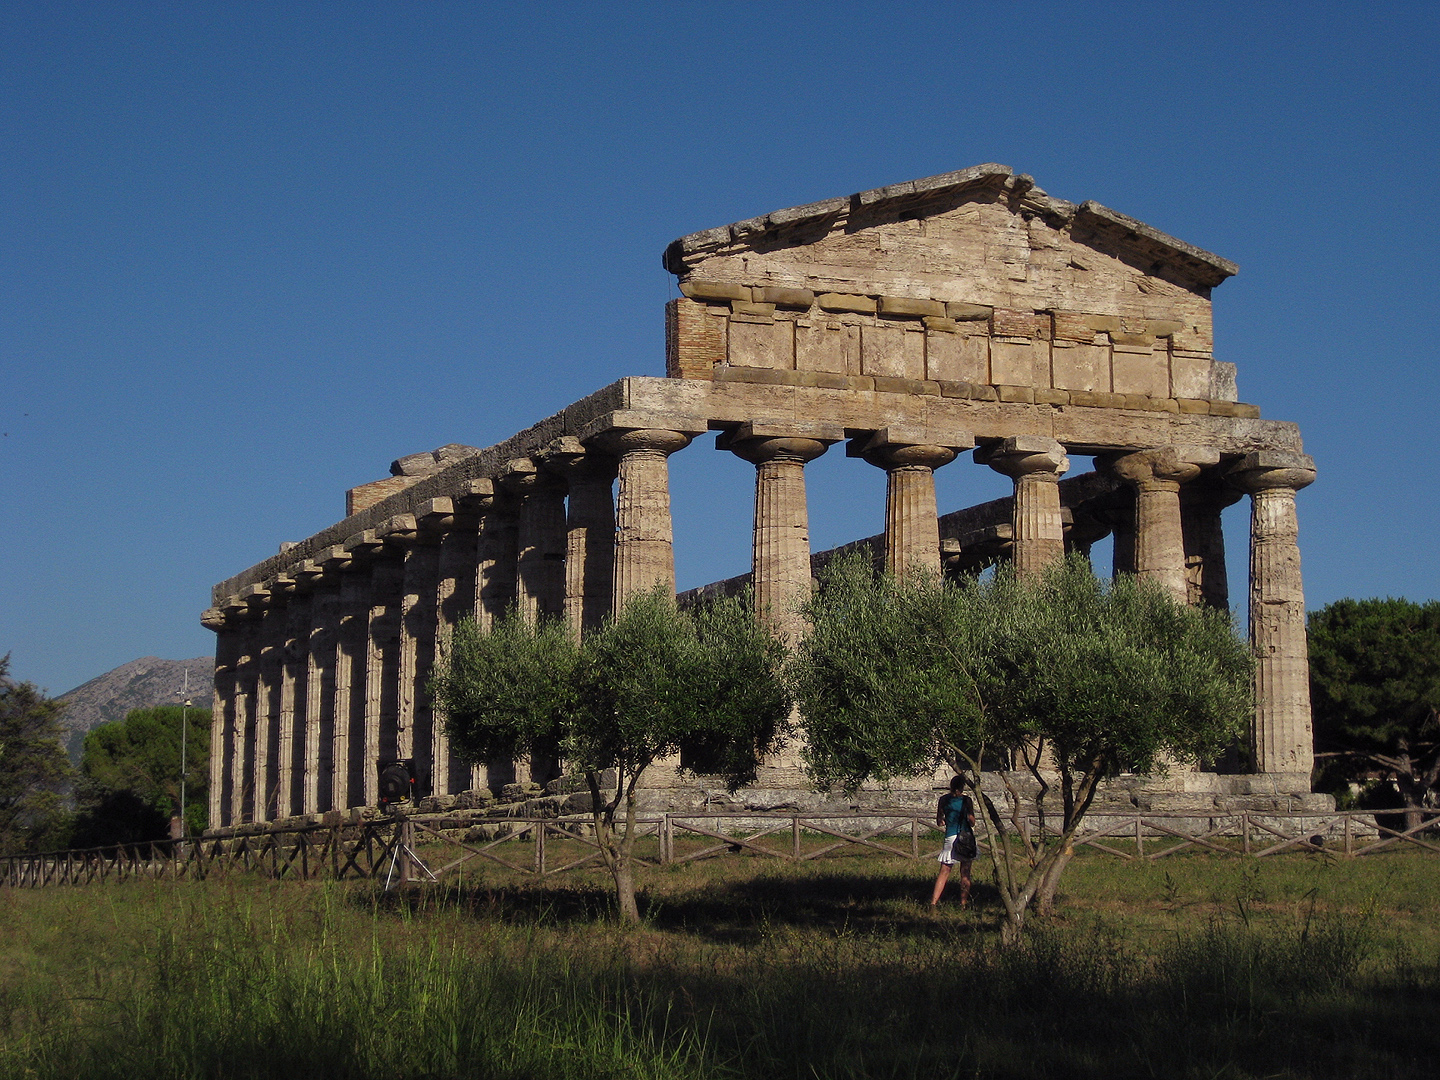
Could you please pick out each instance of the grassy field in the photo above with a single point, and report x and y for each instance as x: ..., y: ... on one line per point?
x: 1295, y: 966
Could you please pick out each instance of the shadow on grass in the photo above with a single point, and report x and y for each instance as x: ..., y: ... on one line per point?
x: 732, y: 911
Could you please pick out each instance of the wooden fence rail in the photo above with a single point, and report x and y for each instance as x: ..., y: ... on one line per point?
x: 433, y: 847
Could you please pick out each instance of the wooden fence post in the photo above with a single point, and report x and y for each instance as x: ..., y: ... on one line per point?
x: 795, y: 837
x: 540, y: 849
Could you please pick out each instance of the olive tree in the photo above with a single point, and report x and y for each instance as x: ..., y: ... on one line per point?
x: 653, y: 681
x: 34, y: 771
x: 1062, y: 675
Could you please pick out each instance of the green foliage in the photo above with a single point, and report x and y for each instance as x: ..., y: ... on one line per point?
x: 1375, y: 690
x: 131, y: 775
x: 34, y: 771
x: 1087, y: 676
x: 653, y: 681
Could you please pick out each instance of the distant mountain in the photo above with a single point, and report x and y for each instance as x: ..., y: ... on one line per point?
x: 140, y: 684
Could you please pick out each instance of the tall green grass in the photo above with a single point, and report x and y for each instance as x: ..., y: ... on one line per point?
x: 770, y: 973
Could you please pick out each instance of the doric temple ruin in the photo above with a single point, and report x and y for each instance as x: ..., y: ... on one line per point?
x: 969, y: 312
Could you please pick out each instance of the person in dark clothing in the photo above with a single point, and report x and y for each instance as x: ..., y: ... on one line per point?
x: 956, y: 815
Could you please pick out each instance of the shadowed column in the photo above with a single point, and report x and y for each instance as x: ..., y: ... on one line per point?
x: 319, y: 685
x: 1202, y: 501
x: 1283, y: 738
x: 1156, y: 476
x: 454, y: 599
x: 589, y: 530
x: 222, y: 713
x: 540, y: 540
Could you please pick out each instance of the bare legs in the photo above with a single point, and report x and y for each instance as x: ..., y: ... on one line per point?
x: 943, y: 878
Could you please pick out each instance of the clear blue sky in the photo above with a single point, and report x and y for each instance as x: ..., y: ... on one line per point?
x: 251, y: 253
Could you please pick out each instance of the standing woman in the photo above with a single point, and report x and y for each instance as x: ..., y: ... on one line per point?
x: 956, y: 815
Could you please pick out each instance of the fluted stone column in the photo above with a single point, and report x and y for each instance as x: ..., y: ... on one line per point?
x: 418, y: 621
x: 1035, y: 464
x: 1201, y: 503
x: 267, y: 703
x: 351, y: 654
x: 454, y: 593
x: 644, y: 536
x: 319, y: 686
x: 540, y: 540
x: 912, y: 524
x: 294, y: 680
x: 780, y: 568
x: 1283, y: 737
x: 222, y: 712
x: 495, y: 552
x: 247, y: 626
x: 589, y: 530
x: 1156, y: 476
x: 382, y: 669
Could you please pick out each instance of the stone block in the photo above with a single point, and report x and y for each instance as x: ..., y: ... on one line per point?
x: 714, y: 290
x: 886, y: 385
x: 1164, y: 328
x: 941, y: 325
x: 1189, y: 376
x: 906, y: 306
x: 1161, y: 404
x: 864, y: 305
x: 1085, y: 399
x: 746, y: 307
x: 1194, y: 406
x: 822, y: 378
x: 1019, y: 363
x: 1135, y: 402
x: 1247, y: 412
x: 766, y: 344
x: 1224, y: 408
x: 794, y: 299
x: 1080, y: 367
x: 862, y: 383
x: 1045, y: 395
x: 828, y: 346
x: 1140, y: 371
x: 961, y: 390
x: 1222, y: 382
x: 984, y: 393
x: 1135, y: 341
x: 891, y: 352
x: 1104, y: 324
x: 1109, y: 401
x: 957, y: 357
x: 969, y: 312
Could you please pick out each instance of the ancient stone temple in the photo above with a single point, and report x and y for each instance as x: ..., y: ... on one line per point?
x: 969, y: 313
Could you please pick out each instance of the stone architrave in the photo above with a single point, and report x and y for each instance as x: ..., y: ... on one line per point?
x: 222, y: 711
x: 589, y: 530
x: 294, y: 680
x: 540, y: 540
x: 1201, y: 503
x: 351, y: 653
x: 1283, y: 738
x: 1036, y: 464
x: 910, y: 456
x: 780, y: 567
x: 644, y: 535
x: 1156, y: 475
x: 319, y: 687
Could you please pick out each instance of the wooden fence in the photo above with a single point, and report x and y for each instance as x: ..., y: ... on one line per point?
x: 433, y: 848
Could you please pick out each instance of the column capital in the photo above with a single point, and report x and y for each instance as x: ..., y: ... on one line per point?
x: 573, y: 461
x: 398, y: 532
x: 213, y: 619
x: 917, y: 445
x: 1266, y: 470
x: 759, y: 441
x: 627, y: 430
x: 1164, y: 467
x: 523, y: 476
x: 1025, y: 455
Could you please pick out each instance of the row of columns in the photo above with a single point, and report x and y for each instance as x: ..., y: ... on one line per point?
x: 321, y: 671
